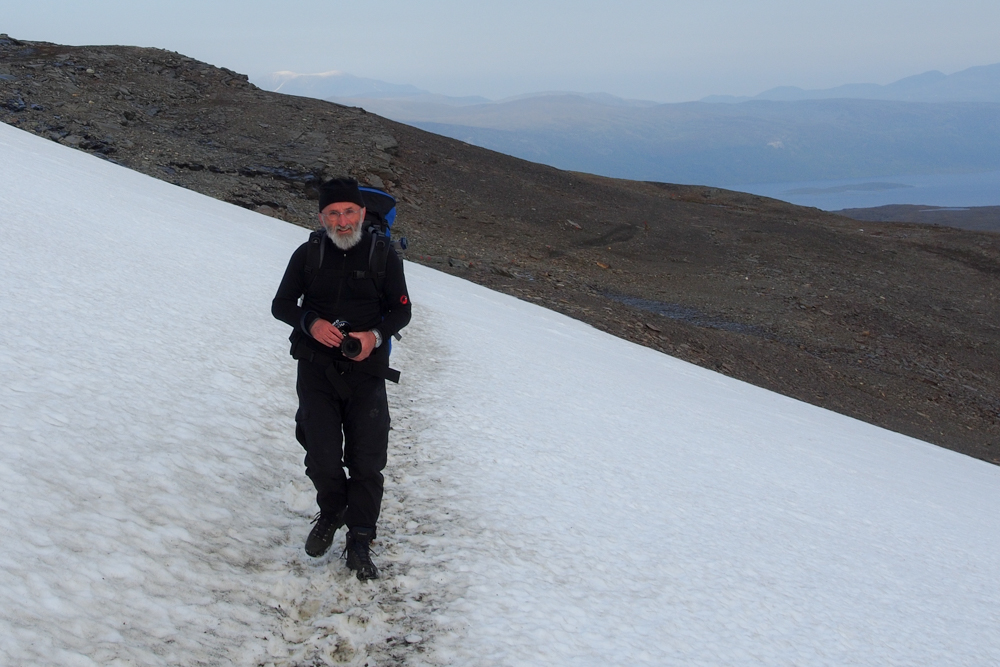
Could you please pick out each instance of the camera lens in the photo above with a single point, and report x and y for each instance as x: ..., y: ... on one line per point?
x: 350, y: 347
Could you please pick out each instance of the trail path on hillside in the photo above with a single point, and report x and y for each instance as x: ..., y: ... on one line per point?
x: 153, y: 503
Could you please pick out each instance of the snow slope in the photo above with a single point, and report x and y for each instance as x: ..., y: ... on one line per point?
x: 555, y: 496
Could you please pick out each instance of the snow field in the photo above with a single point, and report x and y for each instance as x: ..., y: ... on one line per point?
x: 554, y: 495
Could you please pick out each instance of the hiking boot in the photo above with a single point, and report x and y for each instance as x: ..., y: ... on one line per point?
x: 321, y: 536
x: 358, y: 553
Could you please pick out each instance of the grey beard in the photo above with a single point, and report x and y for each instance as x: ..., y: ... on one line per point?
x: 345, y: 242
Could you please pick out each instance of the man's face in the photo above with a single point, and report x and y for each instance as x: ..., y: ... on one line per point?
x: 342, y: 221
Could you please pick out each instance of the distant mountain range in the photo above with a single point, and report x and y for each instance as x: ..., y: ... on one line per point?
x: 340, y: 85
x: 976, y: 84
x: 330, y: 85
x: 925, y: 124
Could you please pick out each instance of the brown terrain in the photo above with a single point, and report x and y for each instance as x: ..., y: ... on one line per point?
x: 976, y: 218
x: 895, y: 324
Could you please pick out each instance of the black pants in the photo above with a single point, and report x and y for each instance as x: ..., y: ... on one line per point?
x: 336, y: 433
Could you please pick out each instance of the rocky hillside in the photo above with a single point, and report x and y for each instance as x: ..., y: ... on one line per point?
x: 976, y: 218
x: 894, y: 324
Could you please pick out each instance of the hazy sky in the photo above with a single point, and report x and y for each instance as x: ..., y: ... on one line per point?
x: 664, y: 51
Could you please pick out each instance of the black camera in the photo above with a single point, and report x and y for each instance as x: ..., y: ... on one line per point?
x: 350, y: 347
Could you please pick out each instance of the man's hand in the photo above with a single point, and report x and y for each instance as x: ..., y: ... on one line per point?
x: 327, y: 334
x: 367, y: 339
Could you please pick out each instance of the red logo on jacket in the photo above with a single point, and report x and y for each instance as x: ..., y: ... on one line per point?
x: 403, y: 300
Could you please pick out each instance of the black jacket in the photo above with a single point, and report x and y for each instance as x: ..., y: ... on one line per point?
x: 337, y: 294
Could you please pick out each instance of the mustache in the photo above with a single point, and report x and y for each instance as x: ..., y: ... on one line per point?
x: 344, y: 242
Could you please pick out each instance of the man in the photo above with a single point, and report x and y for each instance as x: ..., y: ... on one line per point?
x: 343, y: 415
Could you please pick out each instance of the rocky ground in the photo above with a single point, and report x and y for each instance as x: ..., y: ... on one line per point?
x: 895, y: 324
x: 976, y: 218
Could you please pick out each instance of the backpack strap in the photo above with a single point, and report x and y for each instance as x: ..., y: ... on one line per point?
x: 378, y: 254
x: 314, y: 256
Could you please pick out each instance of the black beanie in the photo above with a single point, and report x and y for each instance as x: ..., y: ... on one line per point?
x: 338, y: 190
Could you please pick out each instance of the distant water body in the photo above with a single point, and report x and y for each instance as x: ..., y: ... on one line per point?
x: 958, y: 190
